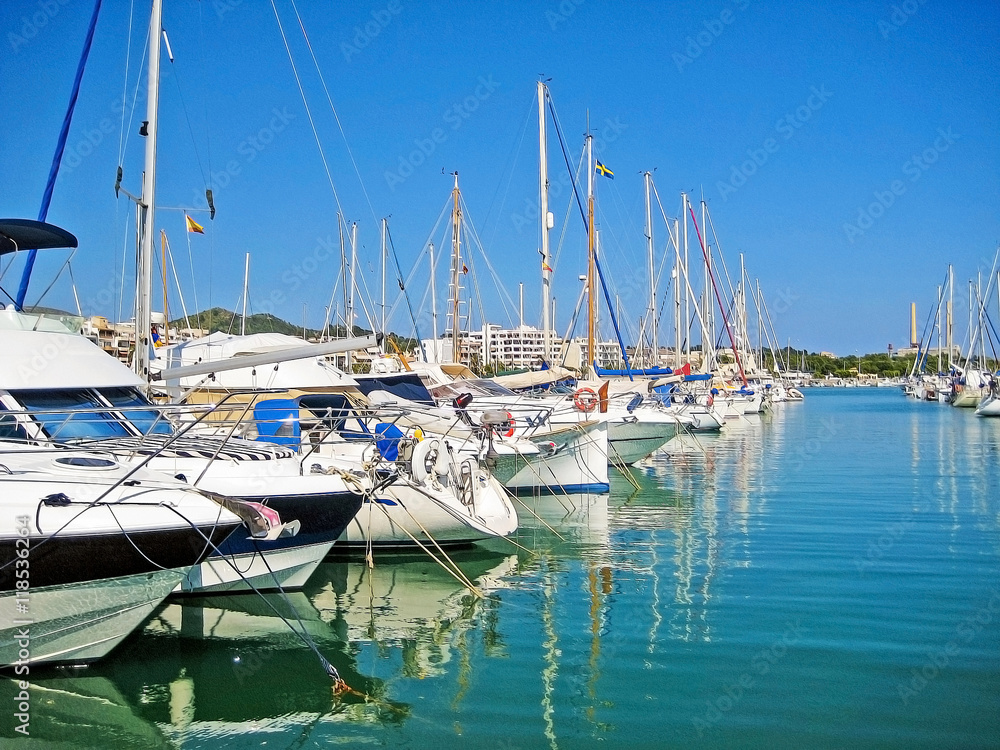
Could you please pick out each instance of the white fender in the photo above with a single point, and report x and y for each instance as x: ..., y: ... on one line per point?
x: 442, y: 463
x: 418, y: 461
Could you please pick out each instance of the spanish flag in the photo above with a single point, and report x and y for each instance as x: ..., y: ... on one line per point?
x: 546, y: 267
x: 601, y: 169
x: 193, y: 226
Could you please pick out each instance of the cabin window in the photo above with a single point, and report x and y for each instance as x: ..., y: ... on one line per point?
x: 146, y: 417
x: 71, y: 415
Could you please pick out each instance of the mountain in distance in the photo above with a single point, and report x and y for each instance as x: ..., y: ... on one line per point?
x: 227, y: 321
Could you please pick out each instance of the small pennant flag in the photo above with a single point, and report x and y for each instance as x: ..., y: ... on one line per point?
x: 193, y: 226
x: 546, y: 267
x: 601, y: 169
x: 465, y: 268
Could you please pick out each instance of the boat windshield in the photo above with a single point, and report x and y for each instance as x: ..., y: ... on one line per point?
x: 491, y: 388
x: 149, y: 420
x: 10, y: 430
x: 71, y: 414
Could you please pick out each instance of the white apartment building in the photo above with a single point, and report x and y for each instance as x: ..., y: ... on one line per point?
x: 514, y: 348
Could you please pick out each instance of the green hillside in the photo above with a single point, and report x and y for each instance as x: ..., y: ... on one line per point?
x: 220, y: 319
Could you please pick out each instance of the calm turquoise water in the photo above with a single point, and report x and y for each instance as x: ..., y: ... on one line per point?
x: 826, y: 576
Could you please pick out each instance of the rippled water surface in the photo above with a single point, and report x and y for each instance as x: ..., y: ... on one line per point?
x: 824, y: 576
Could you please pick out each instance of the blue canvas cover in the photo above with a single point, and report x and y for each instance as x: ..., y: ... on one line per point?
x: 278, y: 421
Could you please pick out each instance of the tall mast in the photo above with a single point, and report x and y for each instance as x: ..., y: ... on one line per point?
x: 591, y: 249
x: 144, y: 268
x: 384, y: 261
x: 686, y: 338
x: 349, y: 328
x: 758, y: 302
x: 166, y: 315
x: 648, y: 179
x: 718, y: 299
x: 543, y: 188
x: 981, y: 306
x: 246, y: 293
x: 939, y: 328
x: 972, y: 333
x: 949, y: 323
x: 343, y: 260
x: 709, y: 317
x: 434, y: 307
x: 681, y: 293
x: 456, y: 270
x: 742, y: 332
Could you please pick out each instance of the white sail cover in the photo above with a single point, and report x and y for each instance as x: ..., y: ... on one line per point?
x: 299, y: 374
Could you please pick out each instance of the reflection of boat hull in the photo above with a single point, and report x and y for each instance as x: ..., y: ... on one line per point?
x: 206, y: 672
x: 402, y: 602
x: 579, y: 518
x: 82, y: 621
x: 103, y: 562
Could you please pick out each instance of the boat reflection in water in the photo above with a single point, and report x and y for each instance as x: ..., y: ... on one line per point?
x: 228, y: 670
x: 208, y: 672
x: 411, y: 603
x: 566, y: 519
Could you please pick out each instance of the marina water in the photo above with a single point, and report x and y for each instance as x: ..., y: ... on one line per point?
x: 827, y: 575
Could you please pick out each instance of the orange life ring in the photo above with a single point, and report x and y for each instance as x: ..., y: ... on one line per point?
x: 711, y: 399
x: 510, y: 426
x: 585, y: 399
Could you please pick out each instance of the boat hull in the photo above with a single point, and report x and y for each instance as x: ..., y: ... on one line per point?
x: 243, y: 563
x: 574, y: 459
x: 968, y: 398
x: 989, y: 407
x: 404, y: 514
x: 288, y: 567
x: 631, y: 441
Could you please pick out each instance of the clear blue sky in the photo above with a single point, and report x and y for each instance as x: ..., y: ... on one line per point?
x: 834, y: 99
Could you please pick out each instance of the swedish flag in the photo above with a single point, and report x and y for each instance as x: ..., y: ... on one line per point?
x: 601, y: 169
